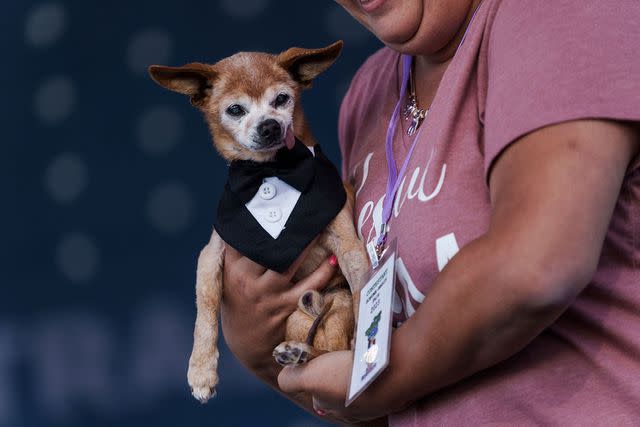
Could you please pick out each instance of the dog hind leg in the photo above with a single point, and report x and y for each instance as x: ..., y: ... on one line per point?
x: 294, y: 352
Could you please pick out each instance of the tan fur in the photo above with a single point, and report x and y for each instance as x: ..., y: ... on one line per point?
x: 251, y: 74
x: 335, y: 331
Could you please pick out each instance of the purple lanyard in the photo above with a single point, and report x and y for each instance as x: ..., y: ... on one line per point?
x: 395, y: 177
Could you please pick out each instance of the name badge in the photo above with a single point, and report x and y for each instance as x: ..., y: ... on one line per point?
x: 373, y: 334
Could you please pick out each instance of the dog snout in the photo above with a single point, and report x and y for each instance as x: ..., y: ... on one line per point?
x: 269, y: 131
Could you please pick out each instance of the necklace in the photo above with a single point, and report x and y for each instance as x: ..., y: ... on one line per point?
x: 412, y: 111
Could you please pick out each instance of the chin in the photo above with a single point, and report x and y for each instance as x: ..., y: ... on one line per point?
x: 392, y: 30
x: 392, y: 21
x: 415, y: 27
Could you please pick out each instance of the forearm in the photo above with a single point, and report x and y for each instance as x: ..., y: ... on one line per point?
x: 256, y: 357
x: 553, y: 193
x: 552, y: 196
x: 472, y: 318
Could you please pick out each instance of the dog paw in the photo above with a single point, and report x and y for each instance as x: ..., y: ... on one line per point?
x: 203, y: 383
x: 203, y: 394
x: 291, y: 353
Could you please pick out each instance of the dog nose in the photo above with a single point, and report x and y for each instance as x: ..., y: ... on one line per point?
x: 269, y: 130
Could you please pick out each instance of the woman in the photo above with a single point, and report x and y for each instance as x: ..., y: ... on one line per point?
x: 518, y: 220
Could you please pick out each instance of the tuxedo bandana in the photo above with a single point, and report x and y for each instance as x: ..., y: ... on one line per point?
x: 270, y: 212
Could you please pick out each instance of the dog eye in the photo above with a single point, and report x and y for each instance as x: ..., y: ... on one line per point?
x: 281, y: 99
x: 235, y: 110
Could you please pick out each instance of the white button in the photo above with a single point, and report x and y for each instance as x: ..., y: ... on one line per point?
x: 267, y: 191
x: 273, y: 215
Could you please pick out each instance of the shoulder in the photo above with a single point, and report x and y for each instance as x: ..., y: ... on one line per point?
x: 360, y: 104
x: 534, y: 20
x: 369, y: 81
x: 550, y: 62
x: 371, y: 71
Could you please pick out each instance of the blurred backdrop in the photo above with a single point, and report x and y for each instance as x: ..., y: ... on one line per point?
x: 109, y: 185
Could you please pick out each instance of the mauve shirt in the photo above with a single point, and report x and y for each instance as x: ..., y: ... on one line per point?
x: 523, y: 65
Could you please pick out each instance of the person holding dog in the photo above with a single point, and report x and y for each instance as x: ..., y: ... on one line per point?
x: 517, y: 218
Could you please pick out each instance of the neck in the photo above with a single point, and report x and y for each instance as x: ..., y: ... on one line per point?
x: 430, y: 68
x: 446, y: 53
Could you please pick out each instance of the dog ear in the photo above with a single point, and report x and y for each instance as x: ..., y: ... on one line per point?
x: 194, y: 80
x: 305, y: 64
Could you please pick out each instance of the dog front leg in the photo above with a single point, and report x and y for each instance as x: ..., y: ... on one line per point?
x: 203, y: 364
x: 341, y: 239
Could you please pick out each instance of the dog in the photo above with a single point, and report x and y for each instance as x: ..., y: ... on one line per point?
x: 251, y: 102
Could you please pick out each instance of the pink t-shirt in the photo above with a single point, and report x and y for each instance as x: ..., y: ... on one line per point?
x: 523, y: 65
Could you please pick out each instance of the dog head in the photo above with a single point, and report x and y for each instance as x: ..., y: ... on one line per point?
x: 251, y: 100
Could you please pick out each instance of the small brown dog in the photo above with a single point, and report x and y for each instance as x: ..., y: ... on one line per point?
x: 239, y: 96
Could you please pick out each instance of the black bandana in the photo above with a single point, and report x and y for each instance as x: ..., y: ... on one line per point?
x: 322, y: 197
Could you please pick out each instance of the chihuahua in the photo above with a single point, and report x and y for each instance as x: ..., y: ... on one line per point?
x: 251, y: 102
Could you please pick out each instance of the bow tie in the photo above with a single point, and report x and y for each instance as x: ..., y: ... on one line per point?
x: 296, y: 167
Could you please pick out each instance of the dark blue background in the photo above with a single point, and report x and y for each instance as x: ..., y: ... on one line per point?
x: 108, y: 188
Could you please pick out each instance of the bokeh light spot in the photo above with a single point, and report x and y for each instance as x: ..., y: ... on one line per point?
x: 55, y: 99
x: 159, y: 129
x: 244, y: 8
x: 45, y: 24
x: 170, y: 208
x: 147, y: 47
x: 66, y: 177
x: 77, y: 257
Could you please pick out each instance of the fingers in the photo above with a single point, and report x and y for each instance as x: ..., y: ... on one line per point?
x: 291, y: 379
x: 316, y: 281
x: 264, y: 280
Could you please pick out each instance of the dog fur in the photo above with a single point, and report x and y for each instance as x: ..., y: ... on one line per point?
x: 252, y: 81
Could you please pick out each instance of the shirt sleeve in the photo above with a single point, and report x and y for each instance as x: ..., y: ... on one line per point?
x: 345, y: 131
x: 353, y: 109
x: 560, y: 60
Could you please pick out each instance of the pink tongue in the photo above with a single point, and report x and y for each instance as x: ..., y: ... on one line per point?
x: 289, y: 139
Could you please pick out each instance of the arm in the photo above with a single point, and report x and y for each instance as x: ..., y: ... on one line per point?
x: 553, y: 193
x: 255, y: 307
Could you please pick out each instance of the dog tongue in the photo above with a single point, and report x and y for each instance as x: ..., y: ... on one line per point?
x: 289, y: 138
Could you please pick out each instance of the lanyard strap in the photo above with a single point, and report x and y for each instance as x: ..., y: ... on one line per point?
x: 395, y: 178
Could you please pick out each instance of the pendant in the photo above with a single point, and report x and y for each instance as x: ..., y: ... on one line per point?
x: 415, y: 114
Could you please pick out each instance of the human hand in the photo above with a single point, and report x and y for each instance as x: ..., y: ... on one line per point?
x: 255, y: 306
x: 326, y: 378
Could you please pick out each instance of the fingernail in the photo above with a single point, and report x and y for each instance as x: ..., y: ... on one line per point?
x: 321, y: 412
x: 333, y: 260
